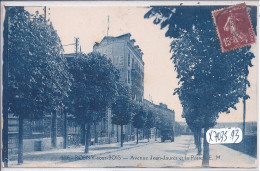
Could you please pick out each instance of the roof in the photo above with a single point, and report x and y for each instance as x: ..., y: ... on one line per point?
x: 160, y: 106
x: 128, y: 35
x: 114, y: 38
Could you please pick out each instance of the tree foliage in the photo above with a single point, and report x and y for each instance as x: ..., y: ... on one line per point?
x: 94, y: 87
x: 139, y: 117
x: 210, y: 82
x: 122, y: 107
x: 157, y: 121
x: 172, y: 17
x: 38, y: 79
x: 150, y: 119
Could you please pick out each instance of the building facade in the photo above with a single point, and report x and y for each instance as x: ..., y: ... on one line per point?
x: 38, y: 133
x: 127, y: 58
x: 166, y: 116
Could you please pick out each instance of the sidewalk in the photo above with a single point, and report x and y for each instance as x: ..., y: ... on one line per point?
x: 51, y: 157
x: 221, y: 156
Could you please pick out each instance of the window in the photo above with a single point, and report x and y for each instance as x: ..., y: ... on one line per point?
x: 129, y: 60
x: 128, y: 76
x: 37, y: 126
x: 115, y: 60
x: 121, y: 60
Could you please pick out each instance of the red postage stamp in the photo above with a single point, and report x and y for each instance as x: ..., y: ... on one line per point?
x: 234, y: 27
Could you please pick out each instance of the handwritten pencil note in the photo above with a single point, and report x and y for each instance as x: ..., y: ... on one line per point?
x: 224, y: 135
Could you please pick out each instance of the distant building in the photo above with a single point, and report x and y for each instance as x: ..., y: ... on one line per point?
x: 163, y: 112
x: 127, y: 58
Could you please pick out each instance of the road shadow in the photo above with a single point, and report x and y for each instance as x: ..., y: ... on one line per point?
x: 105, y: 148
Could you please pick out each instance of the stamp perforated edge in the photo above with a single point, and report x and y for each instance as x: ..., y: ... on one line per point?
x: 221, y: 44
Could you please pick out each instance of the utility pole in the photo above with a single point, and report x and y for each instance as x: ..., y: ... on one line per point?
x: 244, y: 108
x: 107, y: 25
x: 44, y: 9
x: 76, y: 45
x: 244, y: 116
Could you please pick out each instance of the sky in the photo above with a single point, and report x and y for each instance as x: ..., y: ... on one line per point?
x: 90, y: 25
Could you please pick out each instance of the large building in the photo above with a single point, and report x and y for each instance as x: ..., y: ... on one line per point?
x: 127, y: 58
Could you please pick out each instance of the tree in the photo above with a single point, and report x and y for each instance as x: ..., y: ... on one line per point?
x: 177, y: 129
x: 98, y: 117
x: 193, y: 121
x: 172, y: 17
x: 37, y: 79
x: 157, y: 123
x: 211, y: 82
x: 122, y: 110
x: 93, y: 90
x: 149, y: 122
x: 139, y: 119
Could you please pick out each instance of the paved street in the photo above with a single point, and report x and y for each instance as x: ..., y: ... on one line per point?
x: 152, y: 154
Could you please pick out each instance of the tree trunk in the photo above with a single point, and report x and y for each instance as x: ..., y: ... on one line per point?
x: 117, y: 134
x: 155, y: 137
x: 54, y: 129
x: 199, y: 141
x: 96, y: 134
x: 149, y: 135
x: 20, y: 141
x: 205, y: 161
x: 130, y: 133
x: 65, y: 131
x: 136, y: 135
x: 82, y: 134
x: 195, y: 138
x: 5, y: 136
x: 122, y: 136
x: 126, y: 133
x: 88, y: 138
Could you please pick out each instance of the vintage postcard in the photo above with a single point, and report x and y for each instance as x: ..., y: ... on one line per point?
x: 129, y: 84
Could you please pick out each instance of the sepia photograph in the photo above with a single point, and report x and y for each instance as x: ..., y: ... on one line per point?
x: 129, y: 84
